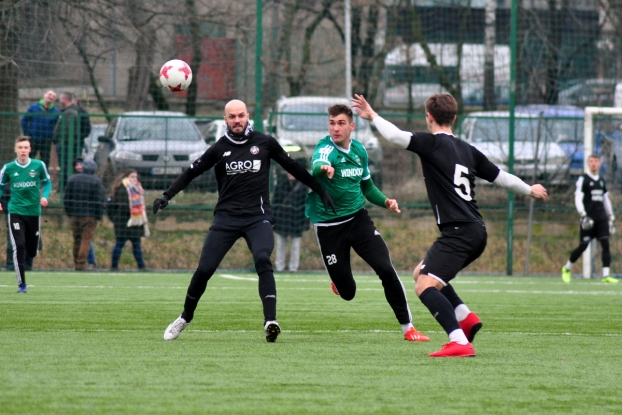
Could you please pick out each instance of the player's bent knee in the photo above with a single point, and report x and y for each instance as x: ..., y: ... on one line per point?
x: 417, y: 271
x: 424, y: 282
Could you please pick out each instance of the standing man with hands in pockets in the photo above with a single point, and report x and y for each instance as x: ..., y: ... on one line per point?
x: 450, y: 167
x: 241, y: 160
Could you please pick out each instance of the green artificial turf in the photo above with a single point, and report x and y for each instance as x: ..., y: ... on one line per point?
x: 91, y: 343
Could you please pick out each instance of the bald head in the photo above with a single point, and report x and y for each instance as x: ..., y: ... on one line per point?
x: 236, y: 116
x: 48, y: 98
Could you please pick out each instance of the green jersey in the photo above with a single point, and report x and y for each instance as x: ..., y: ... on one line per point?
x: 345, y: 186
x: 26, y: 180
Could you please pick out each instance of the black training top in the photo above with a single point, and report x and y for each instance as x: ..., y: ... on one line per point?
x: 243, y: 173
x: 593, y: 196
x: 449, y: 169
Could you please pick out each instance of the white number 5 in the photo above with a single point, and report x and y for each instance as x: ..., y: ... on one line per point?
x: 460, y: 180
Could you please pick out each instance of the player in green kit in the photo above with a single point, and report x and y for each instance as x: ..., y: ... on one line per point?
x: 26, y: 176
x: 340, y: 166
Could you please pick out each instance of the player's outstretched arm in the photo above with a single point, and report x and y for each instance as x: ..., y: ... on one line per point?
x: 388, y: 130
x: 539, y: 192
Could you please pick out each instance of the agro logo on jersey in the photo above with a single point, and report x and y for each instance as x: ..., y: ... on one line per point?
x: 32, y: 173
x: 246, y: 166
x: 254, y: 150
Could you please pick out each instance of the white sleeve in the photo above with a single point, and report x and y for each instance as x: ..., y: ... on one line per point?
x: 391, y: 133
x: 608, y: 207
x: 510, y: 182
x: 578, y: 197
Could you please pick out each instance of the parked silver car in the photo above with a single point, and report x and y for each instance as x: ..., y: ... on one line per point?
x: 91, y: 142
x: 535, y: 150
x: 159, y: 145
x: 300, y: 122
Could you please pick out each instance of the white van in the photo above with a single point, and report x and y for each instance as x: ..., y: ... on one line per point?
x: 535, y: 146
x: 300, y: 122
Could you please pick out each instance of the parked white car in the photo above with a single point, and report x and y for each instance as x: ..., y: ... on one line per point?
x: 300, y: 122
x: 534, y: 149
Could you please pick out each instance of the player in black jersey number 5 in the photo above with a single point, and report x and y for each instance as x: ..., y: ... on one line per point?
x: 450, y: 167
x: 241, y: 161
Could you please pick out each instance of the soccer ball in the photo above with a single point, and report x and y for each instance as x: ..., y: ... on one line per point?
x: 175, y: 75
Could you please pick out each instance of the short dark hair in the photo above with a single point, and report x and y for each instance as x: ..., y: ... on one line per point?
x: 22, y: 138
x: 69, y: 96
x: 443, y: 108
x: 594, y: 156
x: 339, y: 109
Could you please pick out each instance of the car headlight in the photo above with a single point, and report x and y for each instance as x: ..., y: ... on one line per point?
x: 127, y: 155
x: 195, y: 155
x: 292, y: 148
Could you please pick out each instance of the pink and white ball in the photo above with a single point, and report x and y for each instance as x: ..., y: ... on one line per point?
x: 175, y: 75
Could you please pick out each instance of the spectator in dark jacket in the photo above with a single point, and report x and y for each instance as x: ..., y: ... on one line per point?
x: 84, y: 199
x: 91, y: 263
x: 288, y: 206
x: 38, y: 123
x: 67, y: 135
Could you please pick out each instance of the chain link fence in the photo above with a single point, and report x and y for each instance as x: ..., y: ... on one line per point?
x: 107, y: 54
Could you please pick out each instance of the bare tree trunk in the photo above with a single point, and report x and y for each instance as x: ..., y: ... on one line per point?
x: 9, y: 81
x: 197, y: 57
x: 553, y: 47
x: 138, y: 97
x: 270, y: 88
x: 368, y: 50
x: 298, y: 82
x: 490, y: 102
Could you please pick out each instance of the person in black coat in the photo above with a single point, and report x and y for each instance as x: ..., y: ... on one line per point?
x: 126, y: 210
x: 84, y: 198
x: 290, y: 221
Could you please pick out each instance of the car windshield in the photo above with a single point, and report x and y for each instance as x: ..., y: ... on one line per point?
x: 152, y: 128
x: 526, y: 129
x: 311, y: 117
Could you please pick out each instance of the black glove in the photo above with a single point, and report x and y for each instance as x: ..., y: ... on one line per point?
x: 586, y: 222
x: 160, y: 203
x: 326, y: 200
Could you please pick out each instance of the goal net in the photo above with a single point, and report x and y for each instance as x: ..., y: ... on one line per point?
x: 602, y: 136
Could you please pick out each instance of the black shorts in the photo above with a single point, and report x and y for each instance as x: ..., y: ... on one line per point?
x: 458, y: 246
x: 600, y: 230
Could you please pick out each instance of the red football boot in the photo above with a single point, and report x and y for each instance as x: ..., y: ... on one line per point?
x: 470, y: 326
x: 412, y: 335
x: 332, y: 287
x: 453, y: 349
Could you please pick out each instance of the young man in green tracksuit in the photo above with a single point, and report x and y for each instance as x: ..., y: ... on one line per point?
x: 25, y: 176
x: 340, y: 166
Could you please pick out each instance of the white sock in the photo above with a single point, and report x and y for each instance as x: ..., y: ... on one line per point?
x: 568, y: 265
x: 458, y: 337
x: 406, y: 327
x: 462, y: 311
x: 605, y: 272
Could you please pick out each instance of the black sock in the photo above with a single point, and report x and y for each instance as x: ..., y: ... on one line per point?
x: 440, y: 308
x: 189, y: 306
x: 450, y: 294
x: 267, y: 293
